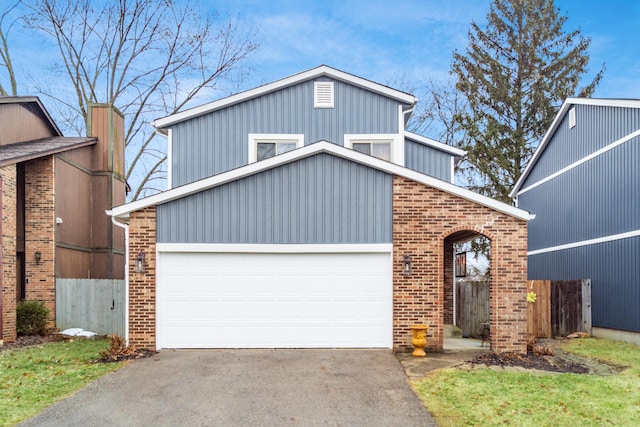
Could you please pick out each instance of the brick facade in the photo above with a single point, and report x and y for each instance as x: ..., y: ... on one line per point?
x: 9, y: 185
x: 142, y: 286
x: 423, y: 219
x: 39, y: 224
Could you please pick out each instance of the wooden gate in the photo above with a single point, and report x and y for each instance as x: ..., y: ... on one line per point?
x: 561, y: 308
x: 472, y: 307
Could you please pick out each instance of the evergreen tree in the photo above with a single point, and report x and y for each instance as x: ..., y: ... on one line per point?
x: 515, y: 74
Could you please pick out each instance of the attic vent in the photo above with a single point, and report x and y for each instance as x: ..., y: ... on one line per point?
x: 572, y: 118
x: 323, y: 94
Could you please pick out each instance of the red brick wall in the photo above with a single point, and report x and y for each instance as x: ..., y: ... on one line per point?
x: 422, y: 218
x: 40, y: 233
x: 142, y: 287
x: 8, y: 201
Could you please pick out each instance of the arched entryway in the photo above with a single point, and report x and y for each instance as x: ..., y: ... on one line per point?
x: 466, y: 287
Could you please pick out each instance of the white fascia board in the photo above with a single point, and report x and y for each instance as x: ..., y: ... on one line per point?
x: 566, y: 106
x: 320, y: 71
x: 435, y: 144
x: 273, y: 248
x: 123, y: 211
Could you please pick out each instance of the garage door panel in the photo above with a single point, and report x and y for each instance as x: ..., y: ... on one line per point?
x: 218, y: 300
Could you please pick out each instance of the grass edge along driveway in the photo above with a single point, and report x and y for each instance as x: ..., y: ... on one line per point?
x: 488, y: 397
x: 32, y: 378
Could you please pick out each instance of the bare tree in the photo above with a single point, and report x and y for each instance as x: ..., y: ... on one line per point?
x: 6, y: 66
x: 149, y: 58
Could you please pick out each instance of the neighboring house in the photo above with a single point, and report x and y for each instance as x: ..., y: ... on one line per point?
x: 583, y: 186
x: 302, y: 214
x: 54, y: 191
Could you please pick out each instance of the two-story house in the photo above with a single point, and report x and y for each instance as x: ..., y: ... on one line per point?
x: 301, y: 214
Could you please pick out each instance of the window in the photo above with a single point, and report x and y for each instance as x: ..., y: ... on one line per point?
x: 264, y: 146
x: 380, y: 146
x: 323, y: 94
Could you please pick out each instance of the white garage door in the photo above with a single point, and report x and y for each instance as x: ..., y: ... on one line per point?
x: 265, y: 300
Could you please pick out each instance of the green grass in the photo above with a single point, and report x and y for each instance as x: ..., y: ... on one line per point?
x: 484, y: 397
x: 33, y: 378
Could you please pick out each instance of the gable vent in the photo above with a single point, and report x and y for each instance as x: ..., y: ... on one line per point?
x: 323, y: 94
x: 572, y: 118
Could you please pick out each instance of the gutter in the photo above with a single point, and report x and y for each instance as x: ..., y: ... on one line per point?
x: 124, y: 226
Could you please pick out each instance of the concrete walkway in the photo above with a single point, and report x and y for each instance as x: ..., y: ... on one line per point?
x: 247, y: 388
x: 456, y: 351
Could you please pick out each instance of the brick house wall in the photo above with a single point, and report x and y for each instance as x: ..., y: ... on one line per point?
x: 9, y: 185
x: 142, y: 286
x: 40, y: 233
x: 423, y: 217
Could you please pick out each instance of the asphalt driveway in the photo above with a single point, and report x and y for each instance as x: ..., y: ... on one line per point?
x: 247, y: 388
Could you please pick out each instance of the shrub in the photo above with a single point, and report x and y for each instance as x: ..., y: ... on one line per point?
x: 117, y: 349
x: 31, y: 318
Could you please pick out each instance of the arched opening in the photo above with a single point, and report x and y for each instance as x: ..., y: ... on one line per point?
x: 467, y: 290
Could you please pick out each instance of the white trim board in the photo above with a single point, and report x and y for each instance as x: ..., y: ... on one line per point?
x: 434, y: 144
x: 123, y: 211
x: 589, y: 242
x: 574, y: 165
x: 271, y: 248
x: 321, y: 71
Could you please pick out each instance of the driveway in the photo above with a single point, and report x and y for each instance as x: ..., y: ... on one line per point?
x: 247, y: 388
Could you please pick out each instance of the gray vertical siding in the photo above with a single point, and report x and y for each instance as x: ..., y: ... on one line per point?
x: 614, y: 270
x: 598, y: 198
x: 218, y: 141
x: 427, y: 160
x: 596, y: 127
x: 318, y: 200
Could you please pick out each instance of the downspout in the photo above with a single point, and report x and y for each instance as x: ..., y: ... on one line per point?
x: 126, y: 272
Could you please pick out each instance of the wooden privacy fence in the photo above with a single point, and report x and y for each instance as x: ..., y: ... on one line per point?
x: 561, y: 308
x: 96, y: 305
x: 472, y: 307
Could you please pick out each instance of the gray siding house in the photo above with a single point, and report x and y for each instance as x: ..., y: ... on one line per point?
x: 583, y: 186
x: 302, y: 214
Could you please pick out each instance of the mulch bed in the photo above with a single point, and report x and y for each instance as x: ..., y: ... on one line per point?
x: 27, y: 340
x: 128, y: 355
x: 530, y: 361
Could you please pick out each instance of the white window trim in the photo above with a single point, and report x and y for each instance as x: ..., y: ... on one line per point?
x: 316, y: 104
x: 255, y: 138
x: 397, y: 148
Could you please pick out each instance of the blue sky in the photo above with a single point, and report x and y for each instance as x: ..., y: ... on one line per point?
x: 412, y: 41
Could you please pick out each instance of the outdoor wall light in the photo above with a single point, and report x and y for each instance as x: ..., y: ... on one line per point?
x: 38, y: 257
x: 406, y: 265
x: 139, y: 265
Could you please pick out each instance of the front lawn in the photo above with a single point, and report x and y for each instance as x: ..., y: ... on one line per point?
x: 486, y: 397
x: 33, y: 378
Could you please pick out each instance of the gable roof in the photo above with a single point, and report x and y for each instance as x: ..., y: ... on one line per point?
x: 33, y: 104
x: 123, y: 211
x: 321, y: 71
x: 434, y: 144
x: 566, y: 106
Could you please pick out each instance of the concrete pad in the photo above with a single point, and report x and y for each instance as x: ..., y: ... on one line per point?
x: 248, y: 388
